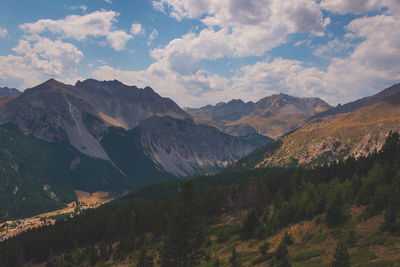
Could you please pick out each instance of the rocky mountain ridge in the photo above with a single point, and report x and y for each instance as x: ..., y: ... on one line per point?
x: 8, y: 92
x: 82, y: 114
x: 324, y: 138
x: 272, y: 116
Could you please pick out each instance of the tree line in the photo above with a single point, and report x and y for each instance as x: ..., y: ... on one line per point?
x: 178, y: 213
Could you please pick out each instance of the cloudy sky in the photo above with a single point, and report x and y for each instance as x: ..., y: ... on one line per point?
x: 201, y: 52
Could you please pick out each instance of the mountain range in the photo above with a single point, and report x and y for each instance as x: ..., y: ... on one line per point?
x: 354, y: 129
x: 272, y: 116
x: 105, y: 135
x: 101, y: 136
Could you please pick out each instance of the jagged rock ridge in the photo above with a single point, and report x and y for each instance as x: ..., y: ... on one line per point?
x: 272, y: 116
x: 81, y: 115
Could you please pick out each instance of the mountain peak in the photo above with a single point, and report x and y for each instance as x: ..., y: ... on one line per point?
x: 8, y: 92
x: 236, y: 101
x: 52, y: 82
x: 93, y: 82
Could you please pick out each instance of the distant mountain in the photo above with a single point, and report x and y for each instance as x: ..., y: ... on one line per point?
x: 338, y: 136
x: 102, y: 136
x: 8, y: 92
x: 272, y: 116
x: 366, y: 101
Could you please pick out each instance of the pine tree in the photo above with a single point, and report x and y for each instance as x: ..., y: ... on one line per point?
x: 264, y: 248
x: 282, y: 255
x: 335, y: 208
x: 144, y: 260
x: 341, y: 257
x: 288, y: 238
x: 184, y: 231
x: 390, y: 222
x: 249, y: 225
x: 233, y: 258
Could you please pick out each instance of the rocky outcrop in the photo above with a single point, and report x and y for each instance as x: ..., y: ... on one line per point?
x: 184, y: 148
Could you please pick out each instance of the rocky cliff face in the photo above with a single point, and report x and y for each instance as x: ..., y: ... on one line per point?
x: 183, y: 148
x: 334, y: 137
x: 272, y: 116
x: 82, y: 114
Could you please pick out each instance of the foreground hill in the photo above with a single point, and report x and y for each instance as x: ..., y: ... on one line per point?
x: 271, y: 116
x: 338, y: 136
x: 344, y: 212
x: 101, y: 136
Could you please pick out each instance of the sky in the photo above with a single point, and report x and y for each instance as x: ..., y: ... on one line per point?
x: 200, y: 52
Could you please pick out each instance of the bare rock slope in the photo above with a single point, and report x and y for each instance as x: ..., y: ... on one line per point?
x: 335, y: 136
x: 81, y: 115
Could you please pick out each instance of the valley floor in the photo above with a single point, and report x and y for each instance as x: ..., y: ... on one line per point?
x: 84, y: 201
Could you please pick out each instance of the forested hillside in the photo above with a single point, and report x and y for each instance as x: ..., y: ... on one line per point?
x: 263, y: 216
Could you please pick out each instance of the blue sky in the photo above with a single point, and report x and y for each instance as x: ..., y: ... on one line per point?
x: 201, y: 52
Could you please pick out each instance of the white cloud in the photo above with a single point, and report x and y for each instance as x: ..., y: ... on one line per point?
x: 137, y: 29
x: 38, y: 58
x: 108, y: 1
x: 360, y: 6
x: 374, y: 63
x: 82, y: 7
x: 153, y: 35
x: 332, y: 47
x: 235, y: 28
x: 251, y: 82
x: 118, y: 39
x: 3, y: 32
x: 96, y: 24
x: 78, y: 27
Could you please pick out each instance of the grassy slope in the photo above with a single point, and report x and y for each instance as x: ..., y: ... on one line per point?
x: 314, y: 244
x: 32, y: 169
x: 335, y: 137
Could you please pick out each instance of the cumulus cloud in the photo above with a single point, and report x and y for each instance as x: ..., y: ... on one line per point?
x: 235, y: 28
x: 371, y: 65
x: 374, y: 62
x: 251, y: 82
x: 96, y: 24
x: 360, y: 6
x: 36, y: 58
x: 118, y: 39
x: 332, y: 47
x: 137, y: 29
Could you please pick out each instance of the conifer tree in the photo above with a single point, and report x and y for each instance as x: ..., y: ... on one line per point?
x: 233, y: 258
x: 184, y: 231
x: 335, y: 208
x: 341, y: 257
